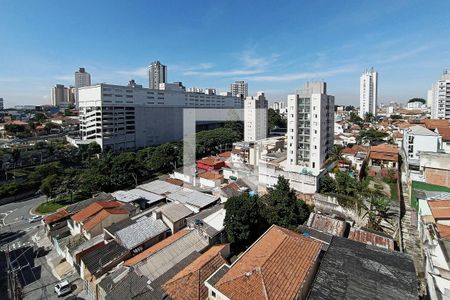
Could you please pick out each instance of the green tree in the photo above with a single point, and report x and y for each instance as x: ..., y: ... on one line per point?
x: 93, y: 148
x: 275, y: 120
x: 50, y: 185
x: 378, y: 210
x: 284, y: 209
x: 336, y: 153
x: 244, y: 220
x: 327, y: 184
x: 164, y: 157
x: 371, y: 136
x: 354, y: 118
x: 369, y: 117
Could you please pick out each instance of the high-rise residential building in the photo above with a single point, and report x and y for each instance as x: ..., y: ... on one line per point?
x: 129, y: 117
x: 1, y: 104
x: 368, y: 93
x: 255, y: 117
x: 59, y: 95
x: 82, y: 78
x: 310, y: 127
x: 440, y: 97
x: 239, y: 88
x: 157, y: 74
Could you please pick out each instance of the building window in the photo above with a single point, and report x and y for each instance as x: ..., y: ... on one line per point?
x: 213, y: 294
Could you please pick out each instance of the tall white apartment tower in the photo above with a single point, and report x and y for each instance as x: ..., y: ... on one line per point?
x: 368, y: 93
x: 82, y: 78
x: 310, y: 128
x: 239, y: 88
x: 255, y: 117
x: 440, y: 97
x: 157, y: 73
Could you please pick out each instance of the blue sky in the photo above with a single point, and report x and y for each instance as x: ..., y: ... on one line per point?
x: 275, y: 45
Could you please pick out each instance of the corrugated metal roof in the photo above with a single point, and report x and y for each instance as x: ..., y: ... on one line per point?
x: 167, y: 257
x: 327, y: 224
x: 175, y: 211
x: 137, y: 194
x: 142, y: 230
x: 371, y: 238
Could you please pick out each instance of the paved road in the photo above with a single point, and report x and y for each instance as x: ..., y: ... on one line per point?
x: 29, y: 262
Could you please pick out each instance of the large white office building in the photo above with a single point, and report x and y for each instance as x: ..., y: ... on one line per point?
x: 310, y: 127
x: 239, y: 88
x: 439, y: 97
x: 368, y: 93
x: 82, y: 78
x: 157, y: 74
x: 255, y: 117
x: 129, y: 117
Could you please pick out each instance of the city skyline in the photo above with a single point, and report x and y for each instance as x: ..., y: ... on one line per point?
x: 276, y: 55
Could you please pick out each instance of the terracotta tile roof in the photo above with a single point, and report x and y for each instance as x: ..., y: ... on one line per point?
x: 210, y: 175
x: 102, y: 215
x: 225, y: 154
x: 440, y: 209
x: 385, y: 148
x: 443, y: 230
x: 93, y: 209
x: 407, y: 125
x: 155, y: 248
x: 435, y: 123
x: 445, y: 133
x: 355, y: 149
x: 188, y: 283
x: 384, y: 152
x: 55, y: 217
x: 274, y: 267
x: 371, y: 238
x: 175, y: 181
x: 210, y: 161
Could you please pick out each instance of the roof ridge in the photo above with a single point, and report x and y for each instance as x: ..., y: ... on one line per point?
x: 266, y: 295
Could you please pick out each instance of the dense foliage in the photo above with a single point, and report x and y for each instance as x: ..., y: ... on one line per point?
x: 275, y: 120
x: 247, y: 217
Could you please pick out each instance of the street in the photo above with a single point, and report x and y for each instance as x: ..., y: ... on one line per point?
x: 25, y: 258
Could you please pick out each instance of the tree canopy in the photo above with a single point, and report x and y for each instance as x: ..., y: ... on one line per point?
x: 275, y: 120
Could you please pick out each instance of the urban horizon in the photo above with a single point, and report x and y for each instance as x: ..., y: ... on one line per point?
x: 372, y: 38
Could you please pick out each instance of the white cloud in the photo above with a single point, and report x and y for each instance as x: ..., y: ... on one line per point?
x: 226, y: 73
x: 304, y: 75
x: 402, y: 55
x: 139, y: 72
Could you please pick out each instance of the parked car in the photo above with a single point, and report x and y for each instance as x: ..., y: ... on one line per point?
x: 35, y: 219
x: 62, y: 288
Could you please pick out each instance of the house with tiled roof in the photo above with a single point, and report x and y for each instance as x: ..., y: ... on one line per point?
x: 188, y: 284
x: 273, y: 267
x: 91, y: 220
x: 357, y: 155
x: 432, y: 124
x: 210, y: 163
x: 384, y: 156
x: 210, y: 179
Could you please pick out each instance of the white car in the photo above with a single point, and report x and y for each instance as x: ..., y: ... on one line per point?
x: 34, y: 219
x: 62, y: 288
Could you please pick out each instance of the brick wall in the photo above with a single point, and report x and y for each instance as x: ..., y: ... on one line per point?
x: 437, y: 176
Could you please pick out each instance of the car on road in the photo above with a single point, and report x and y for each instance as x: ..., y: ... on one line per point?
x: 62, y: 288
x: 35, y: 219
